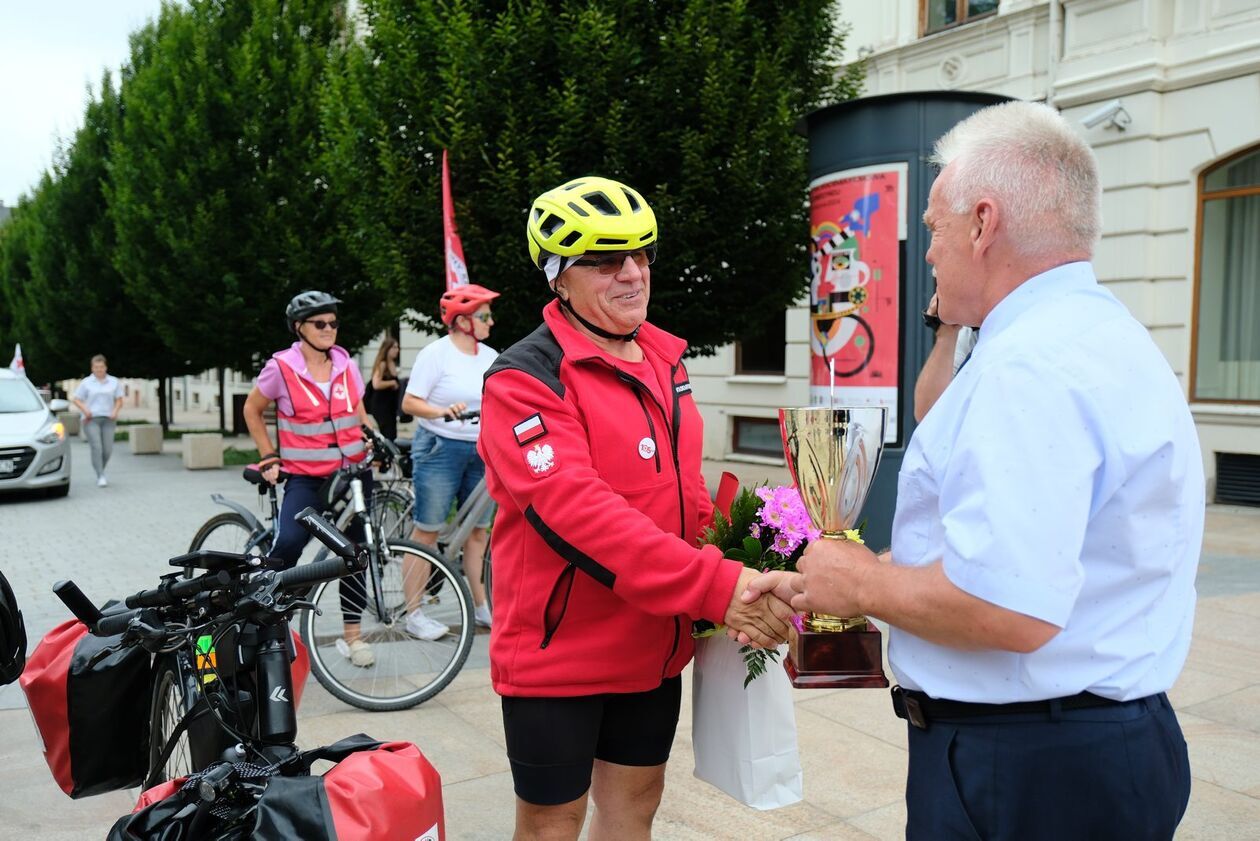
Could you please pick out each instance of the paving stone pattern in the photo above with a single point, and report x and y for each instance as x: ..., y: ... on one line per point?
x: 116, y: 540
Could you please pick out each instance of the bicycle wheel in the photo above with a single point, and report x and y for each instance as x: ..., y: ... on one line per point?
x: 408, y: 671
x: 391, y: 513
x: 228, y: 532
x: 169, y: 707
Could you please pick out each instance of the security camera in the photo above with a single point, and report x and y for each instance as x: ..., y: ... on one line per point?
x: 1113, y: 114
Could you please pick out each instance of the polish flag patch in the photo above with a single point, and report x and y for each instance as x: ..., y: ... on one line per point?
x: 530, y: 429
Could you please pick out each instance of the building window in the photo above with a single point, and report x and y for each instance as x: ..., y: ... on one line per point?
x: 757, y: 437
x: 1225, y: 362
x: 763, y: 353
x: 196, y: 396
x: 942, y: 14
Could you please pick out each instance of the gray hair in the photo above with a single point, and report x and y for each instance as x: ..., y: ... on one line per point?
x: 1042, y: 174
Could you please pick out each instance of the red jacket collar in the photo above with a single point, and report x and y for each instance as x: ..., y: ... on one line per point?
x: 577, y: 345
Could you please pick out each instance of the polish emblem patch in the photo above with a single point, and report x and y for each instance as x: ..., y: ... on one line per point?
x: 541, y: 458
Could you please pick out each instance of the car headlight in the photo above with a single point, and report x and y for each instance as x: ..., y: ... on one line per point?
x: 51, y: 434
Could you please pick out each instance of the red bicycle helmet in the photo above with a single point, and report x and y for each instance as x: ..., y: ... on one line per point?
x: 464, y: 300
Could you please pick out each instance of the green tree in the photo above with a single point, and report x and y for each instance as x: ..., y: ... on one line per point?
x: 221, y: 211
x: 693, y: 102
x: 75, y: 298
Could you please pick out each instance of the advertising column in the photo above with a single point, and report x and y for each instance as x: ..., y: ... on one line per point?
x: 857, y: 223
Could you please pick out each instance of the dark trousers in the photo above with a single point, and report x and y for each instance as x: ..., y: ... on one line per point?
x: 299, y: 492
x: 1099, y: 774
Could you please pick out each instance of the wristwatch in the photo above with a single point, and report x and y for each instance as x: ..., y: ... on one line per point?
x: 931, y: 321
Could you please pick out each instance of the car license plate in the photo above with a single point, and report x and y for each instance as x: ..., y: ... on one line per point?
x: 7, y: 465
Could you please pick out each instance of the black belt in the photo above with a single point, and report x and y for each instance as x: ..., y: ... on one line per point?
x: 919, y: 709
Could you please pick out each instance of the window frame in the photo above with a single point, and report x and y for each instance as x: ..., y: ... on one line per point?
x: 742, y: 371
x: 1202, y: 197
x: 736, y: 420
x: 960, y: 11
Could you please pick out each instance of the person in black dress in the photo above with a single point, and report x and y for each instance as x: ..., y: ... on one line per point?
x: 384, y: 402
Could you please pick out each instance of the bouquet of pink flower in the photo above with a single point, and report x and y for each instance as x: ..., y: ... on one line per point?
x: 766, y: 528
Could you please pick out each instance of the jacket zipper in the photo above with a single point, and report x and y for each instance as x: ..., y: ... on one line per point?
x: 639, y: 390
x: 549, y: 627
x: 674, y: 648
x: 656, y: 450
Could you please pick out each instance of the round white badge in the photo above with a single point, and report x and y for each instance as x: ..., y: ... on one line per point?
x: 647, y: 448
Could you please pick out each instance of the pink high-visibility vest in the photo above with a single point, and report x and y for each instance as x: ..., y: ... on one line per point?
x: 322, y: 433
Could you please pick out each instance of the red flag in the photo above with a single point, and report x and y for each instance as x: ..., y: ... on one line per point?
x: 456, y: 268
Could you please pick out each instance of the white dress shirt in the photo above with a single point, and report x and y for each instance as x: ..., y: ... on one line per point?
x: 1059, y: 476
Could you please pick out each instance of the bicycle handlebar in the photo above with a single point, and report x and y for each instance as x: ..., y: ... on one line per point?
x: 462, y: 416
x: 174, y: 591
x: 114, y: 623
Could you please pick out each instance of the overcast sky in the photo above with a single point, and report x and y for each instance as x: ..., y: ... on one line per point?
x: 50, y: 52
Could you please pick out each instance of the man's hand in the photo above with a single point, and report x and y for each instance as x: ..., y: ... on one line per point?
x: 761, y: 622
x: 454, y: 410
x: 832, y: 577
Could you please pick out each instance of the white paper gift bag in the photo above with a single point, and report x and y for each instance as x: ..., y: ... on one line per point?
x: 744, y: 739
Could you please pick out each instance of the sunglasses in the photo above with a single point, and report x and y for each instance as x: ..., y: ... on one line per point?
x: 484, y: 317
x: 321, y: 324
x: 611, y: 263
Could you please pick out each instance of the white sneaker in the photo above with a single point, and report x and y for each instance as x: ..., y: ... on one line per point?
x: 421, y: 626
x: 101, y: 481
x: 481, y: 615
x: 358, y: 652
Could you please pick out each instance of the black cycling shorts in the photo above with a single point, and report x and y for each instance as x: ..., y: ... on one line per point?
x: 552, y: 743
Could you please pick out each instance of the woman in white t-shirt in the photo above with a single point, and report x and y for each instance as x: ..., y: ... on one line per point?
x: 99, y: 397
x: 446, y: 382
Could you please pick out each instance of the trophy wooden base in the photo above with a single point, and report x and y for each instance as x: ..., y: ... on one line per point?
x: 851, y: 659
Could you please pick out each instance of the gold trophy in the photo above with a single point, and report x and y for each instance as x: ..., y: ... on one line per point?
x: 833, y: 454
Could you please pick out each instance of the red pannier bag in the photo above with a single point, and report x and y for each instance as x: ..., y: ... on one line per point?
x: 91, y: 709
x: 375, y: 791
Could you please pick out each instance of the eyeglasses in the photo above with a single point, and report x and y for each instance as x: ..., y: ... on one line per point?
x: 611, y: 263
x: 484, y: 317
x: 321, y: 324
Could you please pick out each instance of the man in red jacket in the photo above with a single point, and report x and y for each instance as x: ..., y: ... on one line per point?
x: 592, y: 444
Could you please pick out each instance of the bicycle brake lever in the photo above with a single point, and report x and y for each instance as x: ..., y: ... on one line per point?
x: 301, y: 604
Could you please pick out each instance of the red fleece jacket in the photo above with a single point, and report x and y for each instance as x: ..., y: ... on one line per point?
x: 597, y: 575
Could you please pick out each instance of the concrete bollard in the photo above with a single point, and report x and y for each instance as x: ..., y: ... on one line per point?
x: 203, y: 450
x: 145, y: 438
x: 72, y: 421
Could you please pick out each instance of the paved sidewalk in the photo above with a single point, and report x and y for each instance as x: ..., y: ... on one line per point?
x: 114, y: 540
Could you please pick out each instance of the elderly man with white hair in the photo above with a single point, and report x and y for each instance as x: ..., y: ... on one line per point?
x: 1040, y: 584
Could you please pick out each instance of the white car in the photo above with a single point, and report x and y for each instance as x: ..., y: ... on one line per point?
x: 34, y: 453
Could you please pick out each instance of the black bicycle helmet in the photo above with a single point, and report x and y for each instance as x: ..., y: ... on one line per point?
x: 12, y: 635
x: 306, y: 304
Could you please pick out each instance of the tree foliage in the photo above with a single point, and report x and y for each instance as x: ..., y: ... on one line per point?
x: 222, y: 212
x: 73, y: 304
x: 693, y: 102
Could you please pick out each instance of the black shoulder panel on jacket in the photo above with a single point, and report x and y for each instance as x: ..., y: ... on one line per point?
x: 537, y: 355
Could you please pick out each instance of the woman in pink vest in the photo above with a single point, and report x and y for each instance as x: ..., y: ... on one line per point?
x: 318, y: 393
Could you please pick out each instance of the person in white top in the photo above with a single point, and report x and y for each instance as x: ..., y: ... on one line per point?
x: 99, y: 397
x: 1040, y: 584
x: 445, y: 384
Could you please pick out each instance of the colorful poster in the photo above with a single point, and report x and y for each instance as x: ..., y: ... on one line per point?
x: 857, y: 220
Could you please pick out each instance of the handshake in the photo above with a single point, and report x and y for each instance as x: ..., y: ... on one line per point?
x: 756, y: 618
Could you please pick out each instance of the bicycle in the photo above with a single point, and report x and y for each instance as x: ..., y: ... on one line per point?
x: 455, y: 531
x: 408, y: 670
x: 223, y: 689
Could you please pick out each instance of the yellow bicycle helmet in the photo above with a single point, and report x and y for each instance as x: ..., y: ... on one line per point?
x: 588, y: 214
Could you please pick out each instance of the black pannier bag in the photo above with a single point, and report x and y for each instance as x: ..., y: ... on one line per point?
x: 91, y: 709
